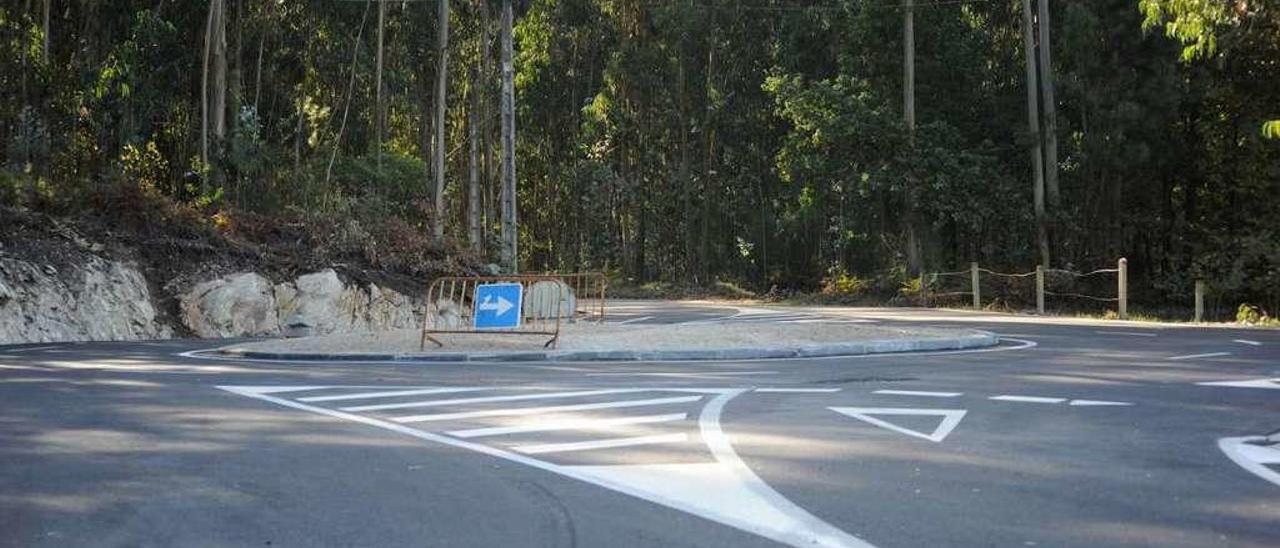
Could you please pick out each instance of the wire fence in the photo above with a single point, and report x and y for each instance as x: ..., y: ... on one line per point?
x: 1042, y: 286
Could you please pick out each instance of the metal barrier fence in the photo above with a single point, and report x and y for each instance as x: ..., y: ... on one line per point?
x: 588, y: 292
x: 1063, y: 280
x: 548, y: 301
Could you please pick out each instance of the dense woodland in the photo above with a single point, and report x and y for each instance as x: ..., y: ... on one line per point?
x: 761, y: 142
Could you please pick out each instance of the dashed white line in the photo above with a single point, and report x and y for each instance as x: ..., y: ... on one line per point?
x: 679, y: 375
x: 1196, y: 356
x: 1126, y: 333
x: 634, y: 320
x: 797, y: 390
x: 541, y: 410
x: 600, y: 444
x: 489, y: 399
x: 577, y: 424
x: 1247, y: 341
x: 1098, y: 403
x: 1027, y: 399
x: 389, y: 394
x: 924, y: 393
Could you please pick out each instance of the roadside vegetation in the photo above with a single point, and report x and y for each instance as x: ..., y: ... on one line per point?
x: 710, y: 148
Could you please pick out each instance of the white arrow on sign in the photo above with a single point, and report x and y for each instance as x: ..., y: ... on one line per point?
x: 502, y: 306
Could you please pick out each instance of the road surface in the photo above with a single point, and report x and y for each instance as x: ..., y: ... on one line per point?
x: 1067, y: 434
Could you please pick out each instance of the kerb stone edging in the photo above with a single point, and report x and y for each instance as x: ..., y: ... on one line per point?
x: 974, y: 339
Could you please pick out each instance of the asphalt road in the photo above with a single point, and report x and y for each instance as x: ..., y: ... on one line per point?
x: 1066, y: 435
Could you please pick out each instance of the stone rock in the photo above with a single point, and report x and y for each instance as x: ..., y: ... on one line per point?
x: 314, y: 304
x: 549, y: 299
x: 96, y: 299
x: 239, y: 305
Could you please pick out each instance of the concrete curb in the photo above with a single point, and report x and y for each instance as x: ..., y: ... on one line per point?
x: 973, y: 339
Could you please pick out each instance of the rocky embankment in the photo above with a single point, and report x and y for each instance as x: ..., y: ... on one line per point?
x: 101, y: 299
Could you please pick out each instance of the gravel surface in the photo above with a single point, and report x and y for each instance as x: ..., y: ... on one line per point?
x: 592, y: 337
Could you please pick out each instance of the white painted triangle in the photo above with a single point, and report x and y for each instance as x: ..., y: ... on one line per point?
x: 950, y: 418
x: 719, y: 492
x: 1253, y: 383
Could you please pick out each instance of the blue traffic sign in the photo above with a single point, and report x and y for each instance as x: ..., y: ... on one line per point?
x: 498, y: 306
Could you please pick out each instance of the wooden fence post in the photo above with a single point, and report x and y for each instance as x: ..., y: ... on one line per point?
x: 924, y: 290
x: 975, y: 286
x: 1123, y: 289
x: 1040, y: 289
x: 1199, y: 301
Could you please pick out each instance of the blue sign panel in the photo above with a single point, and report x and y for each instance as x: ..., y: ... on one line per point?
x: 498, y: 306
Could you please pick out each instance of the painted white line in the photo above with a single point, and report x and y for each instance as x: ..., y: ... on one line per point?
x: 601, y: 444
x: 389, y: 394
x: 541, y: 410
x: 798, y: 390
x: 1027, y: 399
x: 950, y: 419
x: 1098, y: 403
x: 633, y: 320
x: 1251, y: 383
x: 726, y: 491
x: 489, y: 399
x: 1252, y: 457
x: 684, y: 375
x: 1126, y: 333
x: 1195, y: 356
x: 579, y: 424
x: 31, y: 348
x: 1247, y: 341
x: 924, y: 393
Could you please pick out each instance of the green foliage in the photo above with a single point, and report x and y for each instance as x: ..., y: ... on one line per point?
x: 1248, y: 314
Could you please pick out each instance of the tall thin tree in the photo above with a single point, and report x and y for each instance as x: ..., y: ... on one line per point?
x: 510, y: 221
x: 442, y: 81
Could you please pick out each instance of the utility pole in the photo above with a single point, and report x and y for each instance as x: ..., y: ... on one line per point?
x: 510, y: 222
x: 1050, y: 111
x: 1033, y: 125
x: 442, y: 80
x: 473, y: 181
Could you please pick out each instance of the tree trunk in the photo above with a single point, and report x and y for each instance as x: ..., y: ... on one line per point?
x: 1050, y: 111
x: 442, y: 80
x: 473, y: 181
x: 379, y: 118
x: 1033, y: 125
x: 510, y: 212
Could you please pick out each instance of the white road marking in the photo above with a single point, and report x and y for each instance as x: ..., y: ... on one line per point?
x: 541, y: 410
x: 1247, y: 341
x: 390, y: 394
x: 1098, y: 403
x: 488, y: 399
x: 1195, y: 356
x: 31, y: 348
x: 575, y: 424
x: 924, y: 393
x: 633, y: 320
x: 797, y: 390
x: 1126, y: 333
x: 1027, y: 399
x: 1252, y: 457
x: 726, y: 491
x: 1252, y: 383
x: 600, y: 444
x: 950, y: 419
x: 684, y: 375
